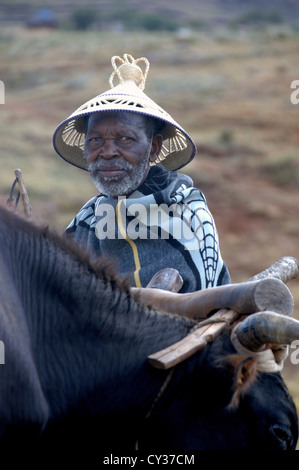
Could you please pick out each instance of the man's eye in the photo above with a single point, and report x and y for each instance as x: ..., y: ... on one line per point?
x: 125, y: 139
x: 95, y: 142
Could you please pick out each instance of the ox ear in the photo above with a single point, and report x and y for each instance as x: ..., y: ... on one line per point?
x: 244, y: 375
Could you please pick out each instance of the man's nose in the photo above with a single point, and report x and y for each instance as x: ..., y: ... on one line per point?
x: 107, y: 151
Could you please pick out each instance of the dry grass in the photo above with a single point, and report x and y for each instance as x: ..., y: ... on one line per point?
x: 233, y: 96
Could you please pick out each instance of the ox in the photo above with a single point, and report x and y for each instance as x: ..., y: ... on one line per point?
x: 76, y: 380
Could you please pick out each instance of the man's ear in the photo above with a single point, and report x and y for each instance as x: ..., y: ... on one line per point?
x: 156, y: 147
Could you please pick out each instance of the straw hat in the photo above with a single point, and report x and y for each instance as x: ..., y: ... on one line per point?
x: 178, y: 148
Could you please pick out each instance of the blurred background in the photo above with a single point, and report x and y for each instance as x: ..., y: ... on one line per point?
x: 222, y: 68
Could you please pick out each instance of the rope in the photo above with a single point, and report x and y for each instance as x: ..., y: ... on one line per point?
x: 160, y: 393
x: 10, y: 199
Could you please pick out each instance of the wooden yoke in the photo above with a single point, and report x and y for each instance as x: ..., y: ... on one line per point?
x: 285, y: 269
x: 246, y: 297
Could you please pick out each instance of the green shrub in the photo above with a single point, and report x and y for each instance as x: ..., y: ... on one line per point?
x: 83, y: 18
x: 150, y: 22
x: 258, y: 18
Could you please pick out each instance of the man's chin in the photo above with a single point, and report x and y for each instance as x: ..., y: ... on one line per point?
x: 120, y: 185
x: 113, y: 188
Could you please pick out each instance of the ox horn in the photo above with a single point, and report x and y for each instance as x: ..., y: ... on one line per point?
x: 266, y: 327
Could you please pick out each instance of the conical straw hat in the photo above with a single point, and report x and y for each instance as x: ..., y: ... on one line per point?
x: 178, y: 148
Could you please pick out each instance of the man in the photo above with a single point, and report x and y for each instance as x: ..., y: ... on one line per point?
x: 146, y: 216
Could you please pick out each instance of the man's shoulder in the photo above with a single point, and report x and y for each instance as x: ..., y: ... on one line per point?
x: 85, y: 215
x: 190, y: 196
x: 89, y: 204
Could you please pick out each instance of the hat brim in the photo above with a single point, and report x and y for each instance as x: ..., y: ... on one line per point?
x: 178, y: 149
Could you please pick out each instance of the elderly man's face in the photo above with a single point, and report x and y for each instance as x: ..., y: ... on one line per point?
x: 118, y: 151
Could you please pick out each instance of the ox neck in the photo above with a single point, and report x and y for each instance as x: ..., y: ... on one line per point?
x: 88, y: 336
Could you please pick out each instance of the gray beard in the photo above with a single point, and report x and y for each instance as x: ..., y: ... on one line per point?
x: 110, y: 186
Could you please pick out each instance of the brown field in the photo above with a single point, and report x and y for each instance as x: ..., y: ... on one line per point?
x: 231, y: 91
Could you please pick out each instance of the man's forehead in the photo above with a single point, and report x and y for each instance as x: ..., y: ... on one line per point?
x: 119, y: 117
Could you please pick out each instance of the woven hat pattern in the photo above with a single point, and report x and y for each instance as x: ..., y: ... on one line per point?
x: 178, y: 148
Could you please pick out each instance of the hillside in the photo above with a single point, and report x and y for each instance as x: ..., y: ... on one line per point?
x: 209, y: 14
x: 230, y: 90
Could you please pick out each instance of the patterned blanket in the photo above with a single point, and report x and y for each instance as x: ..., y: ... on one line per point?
x: 164, y: 223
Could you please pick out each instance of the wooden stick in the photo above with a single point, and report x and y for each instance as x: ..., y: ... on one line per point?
x: 194, y: 342
x: 285, y: 268
x: 23, y: 192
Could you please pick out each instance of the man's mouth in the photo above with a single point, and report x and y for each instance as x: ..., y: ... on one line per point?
x: 110, y: 171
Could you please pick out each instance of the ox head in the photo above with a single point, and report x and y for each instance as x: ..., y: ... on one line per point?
x: 229, y: 401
